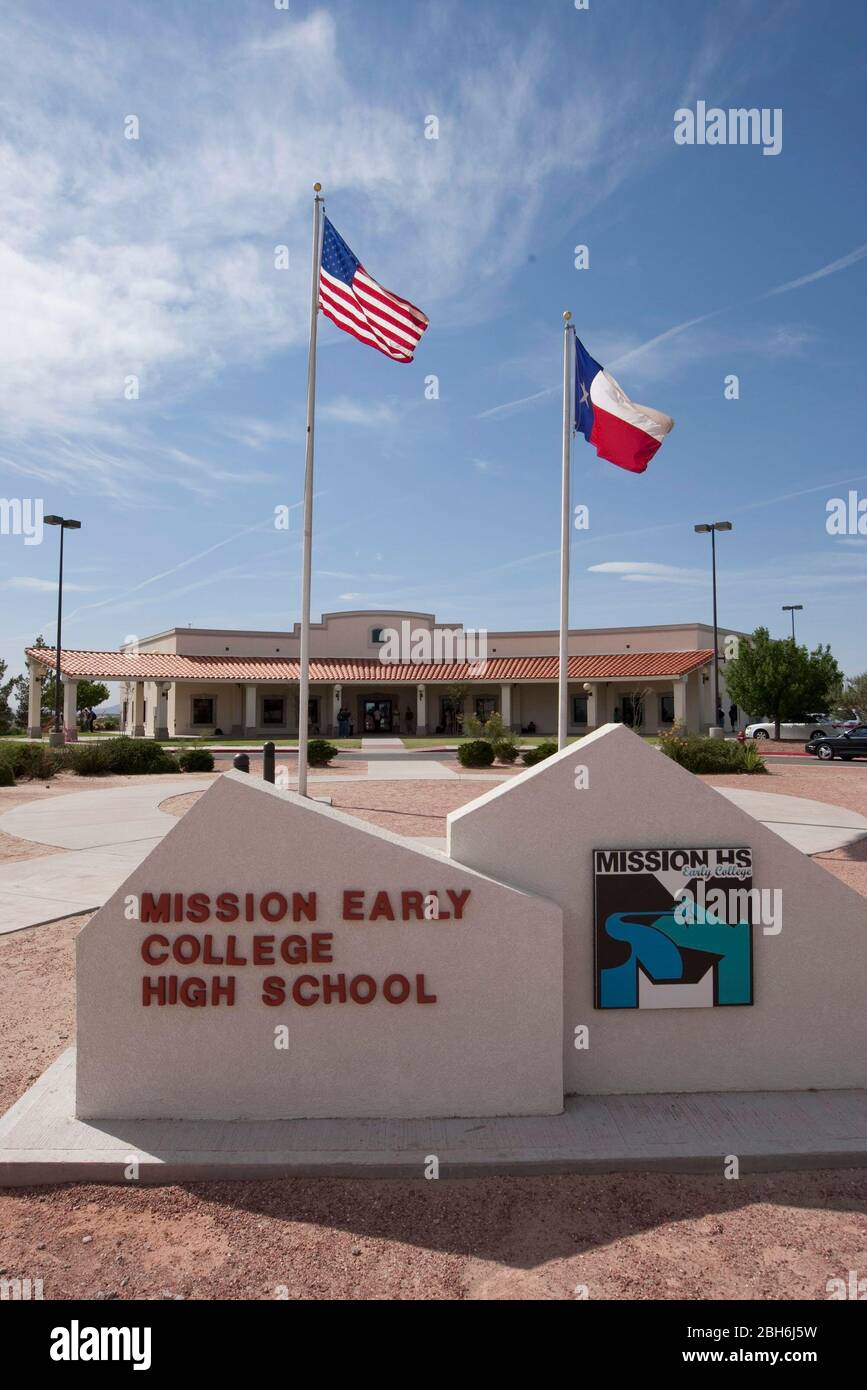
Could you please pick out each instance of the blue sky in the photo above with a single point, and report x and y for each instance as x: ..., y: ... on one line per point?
x: 155, y: 258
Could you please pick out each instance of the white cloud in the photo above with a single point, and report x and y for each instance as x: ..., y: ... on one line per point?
x: 155, y: 257
x: 44, y: 586
x: 365, y: 413
x: 648, y: 572
x: 842, y: 263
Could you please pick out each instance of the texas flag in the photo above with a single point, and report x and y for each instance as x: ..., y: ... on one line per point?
x: 624, y: 433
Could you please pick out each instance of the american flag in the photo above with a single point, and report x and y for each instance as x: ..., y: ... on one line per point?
x: 356, y: 303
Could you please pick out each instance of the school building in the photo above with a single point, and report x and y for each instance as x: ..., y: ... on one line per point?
x: 211, y: 682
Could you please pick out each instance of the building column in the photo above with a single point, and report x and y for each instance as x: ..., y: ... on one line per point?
x: 249, y: 708
x: 680, y: 702
x: 592, y: 716
x: 34, y: 701
x: 421, y: 709
x: 506, y: 705
x: 70, y: 710
x: 336, y: 704
x: 161, y: 710
x: 138, y: 710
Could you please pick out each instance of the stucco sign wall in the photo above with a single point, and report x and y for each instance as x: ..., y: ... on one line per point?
x: 275, y: 958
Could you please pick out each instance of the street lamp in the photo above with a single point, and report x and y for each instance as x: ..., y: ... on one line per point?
x: 713, y: 527
x: 793, y: 608
x: 66, y: 524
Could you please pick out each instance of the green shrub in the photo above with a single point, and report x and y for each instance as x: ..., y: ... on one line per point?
x: 506, y: 750
x: 7, y: 776
x: 539, y: 753
x: 320, y: 752
x: 711, y: 754
x: 90, y: 759
x: 196, y: 760
x: 122, y: 755
x: 37, y: 761
x: 477, y: 753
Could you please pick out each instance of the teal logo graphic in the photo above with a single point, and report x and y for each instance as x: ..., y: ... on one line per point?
x: 673, y: 928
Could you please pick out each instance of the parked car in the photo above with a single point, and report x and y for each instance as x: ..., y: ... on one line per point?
x: 851, y: 743
x: 814, y: 726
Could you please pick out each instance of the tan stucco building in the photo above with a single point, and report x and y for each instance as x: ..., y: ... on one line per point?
x: 394, y: 672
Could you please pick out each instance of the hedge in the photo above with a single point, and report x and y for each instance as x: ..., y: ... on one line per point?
x: 539, y: 753
x: 477, y: 753
x: 711, y: 754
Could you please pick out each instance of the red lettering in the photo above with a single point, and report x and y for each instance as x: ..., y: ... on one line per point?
x: 459, y: 901
x: 332, y: 985
x: 263, y: 950
x: 220, y: 990
x: 305, y: 999
x: 293, y: 949
x: 412, y: 903
x: 227, y: 907
x: 273, y: 990
x: 353, y: 905
x: 155, y: 909
x: 194, y: 992
x: 147, y: 956
x: 232, y: 958
x: 321, y: 947
x: 281, y: 907
x: 381, y: 908
x: 180, y: 947
x: 178, y: 915
x: 208, y: 957
x: 420, y: 995
x: 153, y: 990
x: 198, y: 907
x: 355, y: 989
x: 305, y: 906
x: 396, y: 989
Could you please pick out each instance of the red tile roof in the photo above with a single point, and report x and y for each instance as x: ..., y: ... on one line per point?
x: 170, y: 666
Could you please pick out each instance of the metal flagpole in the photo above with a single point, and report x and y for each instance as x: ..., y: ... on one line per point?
x: 304, y: 672
x: 565, y: 535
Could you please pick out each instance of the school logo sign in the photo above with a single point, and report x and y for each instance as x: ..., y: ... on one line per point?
x: 673, y: 928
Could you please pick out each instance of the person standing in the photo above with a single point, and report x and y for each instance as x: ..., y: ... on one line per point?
x: 343, y: 722
x: 733, y: 715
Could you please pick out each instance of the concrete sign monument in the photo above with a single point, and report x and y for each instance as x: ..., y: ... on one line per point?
x: 275, y: 958
x: 285, y: 985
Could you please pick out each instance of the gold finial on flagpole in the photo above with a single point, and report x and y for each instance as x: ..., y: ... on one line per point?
x: 567, y: 314
x: 317, y: 188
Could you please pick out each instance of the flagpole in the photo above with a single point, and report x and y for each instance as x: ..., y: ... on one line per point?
x: 565, y: 536
x: 304, y: 665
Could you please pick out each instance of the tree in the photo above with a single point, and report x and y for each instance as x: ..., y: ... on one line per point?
x: 775, y: 677
x: 6, y: 689
x: 89, y: 695
x: 456, y: 696
x: 854, y: 697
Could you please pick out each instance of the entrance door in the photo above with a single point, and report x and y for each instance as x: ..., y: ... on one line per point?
x: 376, y: 716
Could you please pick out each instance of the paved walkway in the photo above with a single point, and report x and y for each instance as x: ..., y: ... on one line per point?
x: 107, y: 833
x: 41, y: 1141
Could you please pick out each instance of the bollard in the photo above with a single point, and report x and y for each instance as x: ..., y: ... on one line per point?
x: 241, y: 762
x: 268, y: 753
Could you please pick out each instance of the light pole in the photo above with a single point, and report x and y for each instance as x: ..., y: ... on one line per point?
x: 713, y: 527
x: 66, y: 524
x: 793, y: 608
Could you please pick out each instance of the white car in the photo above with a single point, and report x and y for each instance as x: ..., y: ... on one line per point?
x: 816, y: 726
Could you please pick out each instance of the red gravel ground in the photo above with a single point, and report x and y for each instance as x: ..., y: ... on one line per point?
x: 624, y: 1236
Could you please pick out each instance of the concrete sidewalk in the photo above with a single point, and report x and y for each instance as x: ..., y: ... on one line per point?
x: 107, y: 833
x: 41, y: 1142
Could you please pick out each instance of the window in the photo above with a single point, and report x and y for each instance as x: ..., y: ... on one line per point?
x: 485, y: 707
x: 376, y: 635
x: 666, y: 709
x: 272, y: 711
x: 579, y: 709
x: 203, y: 709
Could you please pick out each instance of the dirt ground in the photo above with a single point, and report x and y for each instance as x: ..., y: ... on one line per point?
x: 624, y: 1236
